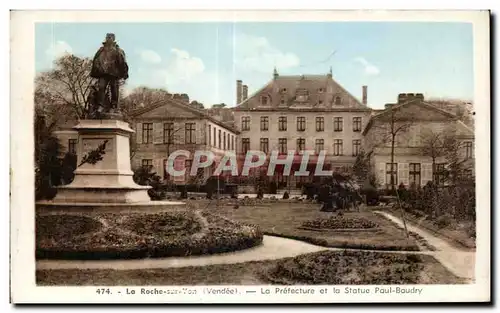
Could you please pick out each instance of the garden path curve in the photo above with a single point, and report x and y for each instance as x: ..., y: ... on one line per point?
x: 458, y: 261
x: 273, y: 248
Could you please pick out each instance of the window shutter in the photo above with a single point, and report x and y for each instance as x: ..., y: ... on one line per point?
x: 381, y: 174
x: 426, y: 172
x: 138, y: 133
x: 157, y: 133
x: 403, y: 175
x: 157, y: 167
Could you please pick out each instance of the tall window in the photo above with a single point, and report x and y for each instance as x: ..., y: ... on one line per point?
x: 187, y: 166
x: 264, y: 123
x: 147, y: 132
x: 282, y: 123
x: 264, y: 145
x: 439, y: 173
x: 391, y: 170
x: 337, y: 124
x: 228, y: 141
x: 356, y: 124
x: 319, y: 146
x: 282, y: 145
x: 245, y: 144
x: 232, y: 142
x: 265, y: 100
x: 72, y: 146
x: 215, y: 138
x: 337, y: 147
x: 414, y: 173
x: 301, y: 144
x: 338, y: 100
x: 147, y: 164
x: 245, y: 123
x: 356, y: 147
x: 468, y: 150
x: 301, y: 123
x: 224, y: 141
x: 209, y: 135
x: 320, y: 124
x: 168, y: 132
x: 190, y: 133
x: 220, y: 139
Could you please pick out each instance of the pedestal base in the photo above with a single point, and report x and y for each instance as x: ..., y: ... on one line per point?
x: 108, y: 180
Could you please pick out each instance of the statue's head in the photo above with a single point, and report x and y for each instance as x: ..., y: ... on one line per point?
x: 110, y: 37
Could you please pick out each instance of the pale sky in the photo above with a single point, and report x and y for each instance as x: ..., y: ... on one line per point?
x: 204, y: 60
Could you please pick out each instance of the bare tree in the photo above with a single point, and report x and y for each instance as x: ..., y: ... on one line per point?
x: 390, y: 126
x: 432, y: 145
x: 66, y: 86
x: 142, y: 96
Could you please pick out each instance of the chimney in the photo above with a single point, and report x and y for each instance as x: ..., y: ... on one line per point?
x: 405, y: 97
x: 245, y: 92
x: 365, y: 95
x: 238, y: 91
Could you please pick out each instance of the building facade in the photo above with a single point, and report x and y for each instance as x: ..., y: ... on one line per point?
x: 419, y: 131
x: 299, y: 113
x: 307, y: 112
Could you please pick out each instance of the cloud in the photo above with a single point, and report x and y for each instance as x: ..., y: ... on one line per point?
x: 58, y: 48
x: 150, y: 56
x: 369, y: 69
x: 178, y: 72
x: 254, y: 53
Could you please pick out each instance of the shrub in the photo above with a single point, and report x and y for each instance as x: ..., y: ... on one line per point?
x: 340, y: 222
x: 418, y: 213
x: 273, y: 187
x: 444, y: 221
x: 286, y: 195
x: 371, y: 194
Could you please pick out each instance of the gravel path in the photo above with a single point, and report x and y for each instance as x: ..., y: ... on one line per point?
x: 459, y: 262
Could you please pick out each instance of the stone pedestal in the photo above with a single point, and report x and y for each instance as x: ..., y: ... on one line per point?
x: 108, y: 181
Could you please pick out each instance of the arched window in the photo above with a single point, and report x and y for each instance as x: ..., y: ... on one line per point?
x: 338, y: 100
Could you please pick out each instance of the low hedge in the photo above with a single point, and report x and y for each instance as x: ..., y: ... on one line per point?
x: 142, y: 235
x: 340, y: 222
x: 348, y: 268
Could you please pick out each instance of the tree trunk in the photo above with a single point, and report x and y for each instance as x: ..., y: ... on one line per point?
x: 392, y: 161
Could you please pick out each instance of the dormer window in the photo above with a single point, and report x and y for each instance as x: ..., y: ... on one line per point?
x: 321, y: 90
x: 265, y: 100
x: 338, y: 100
x: 302, y: 95
x: 320, y: 102
x: 283, y: 90
x: 282, y: 101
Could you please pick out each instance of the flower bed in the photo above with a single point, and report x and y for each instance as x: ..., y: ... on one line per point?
x: 353, y: 268
x: 340, y: 223
x: 142, y: 235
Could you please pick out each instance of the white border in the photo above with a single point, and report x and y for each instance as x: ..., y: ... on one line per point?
x: 24, y: 289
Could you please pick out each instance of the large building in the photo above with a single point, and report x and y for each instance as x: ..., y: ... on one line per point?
x: 306, y: 112
x: 419, y: 131
x: 298, y: 113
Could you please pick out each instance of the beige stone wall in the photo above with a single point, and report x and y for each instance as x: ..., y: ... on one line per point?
x: 347, y: 135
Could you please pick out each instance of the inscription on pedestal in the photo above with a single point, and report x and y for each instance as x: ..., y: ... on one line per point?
x: 89, y: 144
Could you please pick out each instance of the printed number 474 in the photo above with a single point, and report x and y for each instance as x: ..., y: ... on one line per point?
x: 102, y: 291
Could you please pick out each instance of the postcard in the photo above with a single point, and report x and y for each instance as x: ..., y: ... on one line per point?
x: 250, y: 156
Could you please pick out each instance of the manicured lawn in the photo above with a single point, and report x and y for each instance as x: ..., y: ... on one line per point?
x: 292, y: 220
x: 328, y: 267
x: 139, y: 235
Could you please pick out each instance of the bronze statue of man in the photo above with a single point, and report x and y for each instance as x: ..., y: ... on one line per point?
x: 109, y: 66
